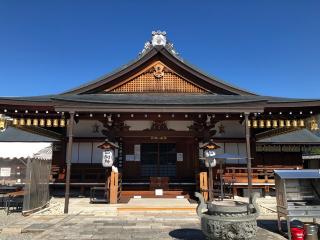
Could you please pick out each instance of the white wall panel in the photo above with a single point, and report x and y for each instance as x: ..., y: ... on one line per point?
x: 242, y: 152
x: 232, y: 129
x: 138, y: 125
x: 86, y: 128
x: 232, y: 148
x: 85, y: 151
x: 179, y: 125
x: 75, y: 153
x: 96, y: 153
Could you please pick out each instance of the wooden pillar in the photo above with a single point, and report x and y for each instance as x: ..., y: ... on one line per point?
x: 68, y: 161
x: 211, y: 197
x: 248, y: 148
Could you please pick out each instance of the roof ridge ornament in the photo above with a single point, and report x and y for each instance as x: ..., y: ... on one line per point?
x: 159, y: 38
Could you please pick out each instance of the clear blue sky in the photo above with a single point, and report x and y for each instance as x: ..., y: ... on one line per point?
x: 270, y: 47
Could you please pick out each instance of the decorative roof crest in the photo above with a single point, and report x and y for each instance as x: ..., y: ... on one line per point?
x: 159, y: 38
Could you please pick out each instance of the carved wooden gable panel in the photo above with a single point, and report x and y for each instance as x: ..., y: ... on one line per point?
x: 157, y: 79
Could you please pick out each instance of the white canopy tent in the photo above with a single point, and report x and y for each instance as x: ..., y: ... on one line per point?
x: 24, y: 150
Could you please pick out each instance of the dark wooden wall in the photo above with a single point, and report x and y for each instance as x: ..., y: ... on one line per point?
x: 185, y: 169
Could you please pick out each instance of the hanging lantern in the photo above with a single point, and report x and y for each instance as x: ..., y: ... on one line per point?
x: 55, y: 122
x: 62, y: 122
x: 261, y: 124
x: 274, y: 123
x: 314, y: 125
x: 249, y: 123
x: 49, y: 122
x: 281, y: 123
x: 288, y: 123
x: 15, y: 121
x: 301, y: 123
x: 42, y: 122
x: 29, y: 122
x: 295, y: 123
x: 35, y: 122
x: 255, y: 123
x: 22, y: 122
x: 3, y: 123
x: 268, y: 123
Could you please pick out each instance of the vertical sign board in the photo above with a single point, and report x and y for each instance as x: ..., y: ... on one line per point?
x: 107, y: 158
x: 5, y: 172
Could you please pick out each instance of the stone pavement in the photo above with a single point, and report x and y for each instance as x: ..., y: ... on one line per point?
x: 119, y: 221
x: 134, y: 225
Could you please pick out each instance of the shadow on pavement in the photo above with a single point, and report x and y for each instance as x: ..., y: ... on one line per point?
x: 187, y: 234
x: 272, y: 225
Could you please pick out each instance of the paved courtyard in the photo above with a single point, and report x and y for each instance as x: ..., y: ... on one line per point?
x: 114, y: 222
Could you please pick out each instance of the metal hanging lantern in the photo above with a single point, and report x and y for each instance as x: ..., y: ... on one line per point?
x: 314, y: 125
x: 281, y: 123
x: 261, y: 124
x: 62, y: 122
x: 249, y: 123
x: 255, y: 124
x: 29, y: 122
x: 55, y: 122
x: 3, y: 123
x: 42, y: 122
x: 295, y: 123
x: 15, y: 121
x: 35, y: 122
x: 274, y: 123
x: 49, y: 122
x: 288, y: 123
x: 301, y: 123
x: 268, y: 124
x: 22, y: 122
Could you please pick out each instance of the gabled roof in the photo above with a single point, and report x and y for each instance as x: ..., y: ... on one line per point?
x: 160, y: 53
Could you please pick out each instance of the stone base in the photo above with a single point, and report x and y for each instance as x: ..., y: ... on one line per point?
x: 228, y: 230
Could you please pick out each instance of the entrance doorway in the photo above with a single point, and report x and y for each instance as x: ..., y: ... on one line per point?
x: 158, y: 159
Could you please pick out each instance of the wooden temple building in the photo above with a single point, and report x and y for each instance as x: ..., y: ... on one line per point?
x: 159, y: 110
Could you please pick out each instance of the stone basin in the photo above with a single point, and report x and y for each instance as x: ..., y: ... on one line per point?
x: 228, y: 219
